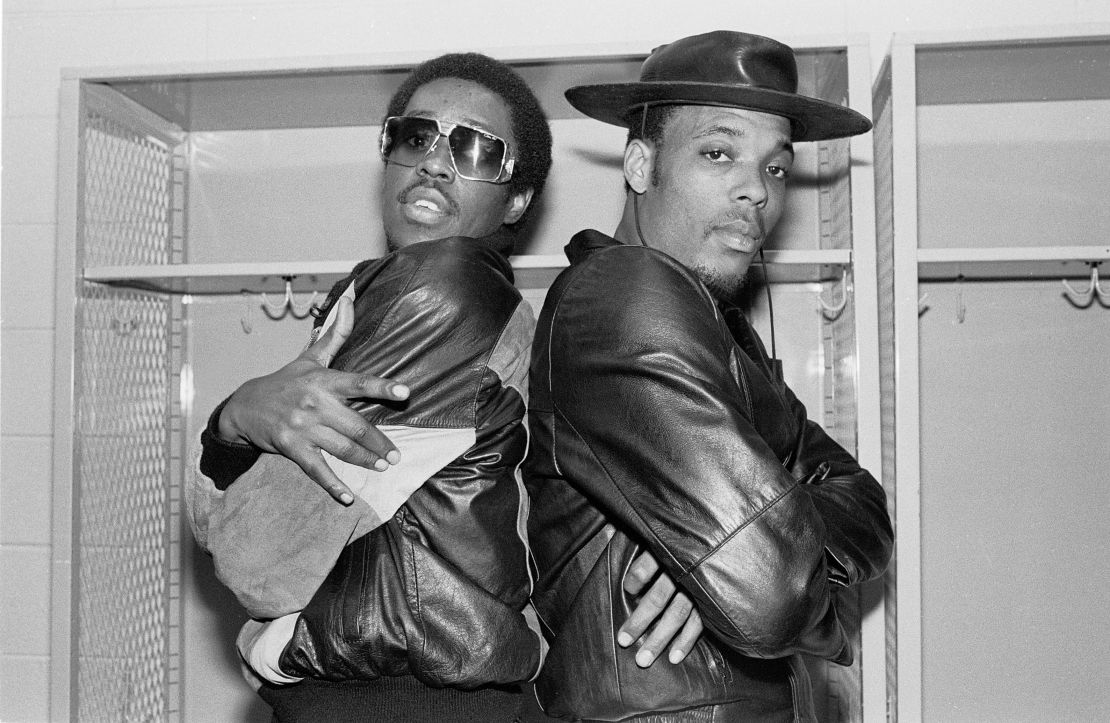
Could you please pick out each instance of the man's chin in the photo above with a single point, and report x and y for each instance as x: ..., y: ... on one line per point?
x: 723, y: 287
x: 412, y: 234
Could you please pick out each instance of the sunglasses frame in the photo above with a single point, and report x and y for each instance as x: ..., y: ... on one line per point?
x: 444, y: 130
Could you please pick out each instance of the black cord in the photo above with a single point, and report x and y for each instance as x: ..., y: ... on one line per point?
x: 636, y: 215
x: 770, y: 306
x: 636, y: 196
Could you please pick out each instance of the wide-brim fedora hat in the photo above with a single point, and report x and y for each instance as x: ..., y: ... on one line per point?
x: 723, y: 68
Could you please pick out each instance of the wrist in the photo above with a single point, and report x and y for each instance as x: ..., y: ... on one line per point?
x: 222, y: 423
x: 223, y: 460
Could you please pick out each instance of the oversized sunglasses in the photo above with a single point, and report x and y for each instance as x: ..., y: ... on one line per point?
x: 475, y: 154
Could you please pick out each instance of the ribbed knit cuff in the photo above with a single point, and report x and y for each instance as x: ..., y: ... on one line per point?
x: 220, y: 460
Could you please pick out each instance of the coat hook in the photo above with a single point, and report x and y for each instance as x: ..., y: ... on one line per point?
x: 303, y: 311
x: 1103, y: 296
x: 922, y: 307
x: 1083, y: 298
x: 125, y: 327
x: 288, y: 304
x: 833, y: 310
x: 247, y: 321
x: 277, y: 311
x: 123, y: 324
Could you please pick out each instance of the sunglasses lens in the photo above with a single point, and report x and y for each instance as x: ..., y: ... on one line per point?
x: 477, y: 155
x: 406, y: 140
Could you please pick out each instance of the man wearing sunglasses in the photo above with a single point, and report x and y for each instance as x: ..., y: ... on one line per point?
x: 411, y: 599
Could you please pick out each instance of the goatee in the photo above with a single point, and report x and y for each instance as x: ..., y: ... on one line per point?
x: 726, y: 288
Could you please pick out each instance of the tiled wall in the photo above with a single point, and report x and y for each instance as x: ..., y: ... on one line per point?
x: 43, y: 36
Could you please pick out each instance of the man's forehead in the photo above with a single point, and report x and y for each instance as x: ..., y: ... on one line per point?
x: 446, y: 115
x: 456, y: 100
x: 707, y: 119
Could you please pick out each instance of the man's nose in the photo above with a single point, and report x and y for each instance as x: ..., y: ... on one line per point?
x: 751, y: 186
x: 437, y: 161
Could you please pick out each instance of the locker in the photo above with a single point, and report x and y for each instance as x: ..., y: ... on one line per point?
x: 205, y: 207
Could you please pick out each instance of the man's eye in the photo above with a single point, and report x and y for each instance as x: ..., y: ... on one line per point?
x: 779, y: 172
x: 716, y: 155
x: 418, y: 141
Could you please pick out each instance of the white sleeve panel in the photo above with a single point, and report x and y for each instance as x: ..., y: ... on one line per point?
x: 423, y: 453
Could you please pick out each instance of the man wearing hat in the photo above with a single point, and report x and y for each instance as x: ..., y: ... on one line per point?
x: 657, y: 413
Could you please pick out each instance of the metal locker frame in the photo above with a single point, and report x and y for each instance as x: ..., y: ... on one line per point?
x: 902, y: 262
x: 116, y: 566
x: 161, y: 282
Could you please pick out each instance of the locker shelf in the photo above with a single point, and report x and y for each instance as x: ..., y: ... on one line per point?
x: 1010, y: 263
x: 532, y: 271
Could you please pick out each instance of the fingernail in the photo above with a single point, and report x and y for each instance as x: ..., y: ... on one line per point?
x: 381, y: 465
x: 346, y: 498
x: 393, y: 456
x: 400, y: 391
x: 676, y: 656
x: 644, y: 657
x: 624, y: 639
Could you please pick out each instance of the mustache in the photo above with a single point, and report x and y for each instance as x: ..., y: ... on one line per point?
x: 452, y: 204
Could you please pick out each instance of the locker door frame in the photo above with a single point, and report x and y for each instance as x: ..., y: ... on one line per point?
x: 69, y: 277
x: 908, y: 260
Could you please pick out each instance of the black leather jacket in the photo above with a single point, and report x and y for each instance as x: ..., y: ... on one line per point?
x: 656, y: 409
x: 439, y: 590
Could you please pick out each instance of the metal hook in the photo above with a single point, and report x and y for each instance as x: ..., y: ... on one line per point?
x: 833, y: 310
x: 122, y: 324
x: 124, y: 327
x: 922, y: 307
x: 288, y: 304
x: 1083, y: 299
x: 1103, y: 296
x: 247, y: 322
x: 303, y: 311
x: 278, y: 311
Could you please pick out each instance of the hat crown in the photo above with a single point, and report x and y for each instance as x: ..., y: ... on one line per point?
x: 724, y: 57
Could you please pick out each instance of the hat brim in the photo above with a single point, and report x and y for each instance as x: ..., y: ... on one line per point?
x: 813, y: 119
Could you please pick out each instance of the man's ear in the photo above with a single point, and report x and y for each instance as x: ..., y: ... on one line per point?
x: 516, y: 205
x: 639, y: 158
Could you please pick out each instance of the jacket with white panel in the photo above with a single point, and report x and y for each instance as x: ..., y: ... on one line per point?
x: 428, y: 572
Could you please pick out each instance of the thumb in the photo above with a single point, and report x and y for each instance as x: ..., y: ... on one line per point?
x: 328, y: 345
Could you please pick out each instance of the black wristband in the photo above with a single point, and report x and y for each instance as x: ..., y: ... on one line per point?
x: 220, y: 460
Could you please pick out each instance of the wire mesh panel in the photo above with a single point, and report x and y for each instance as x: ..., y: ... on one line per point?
x: 127, y: 350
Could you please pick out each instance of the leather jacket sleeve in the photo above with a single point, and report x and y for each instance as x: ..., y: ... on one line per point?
x: 847, y: 497
x: 685, y: 440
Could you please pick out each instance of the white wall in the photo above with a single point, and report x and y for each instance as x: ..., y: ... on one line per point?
x: 42, y: 36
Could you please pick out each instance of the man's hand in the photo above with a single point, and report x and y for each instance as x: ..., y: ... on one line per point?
x: 302, y: 409
x: 675, y: 620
